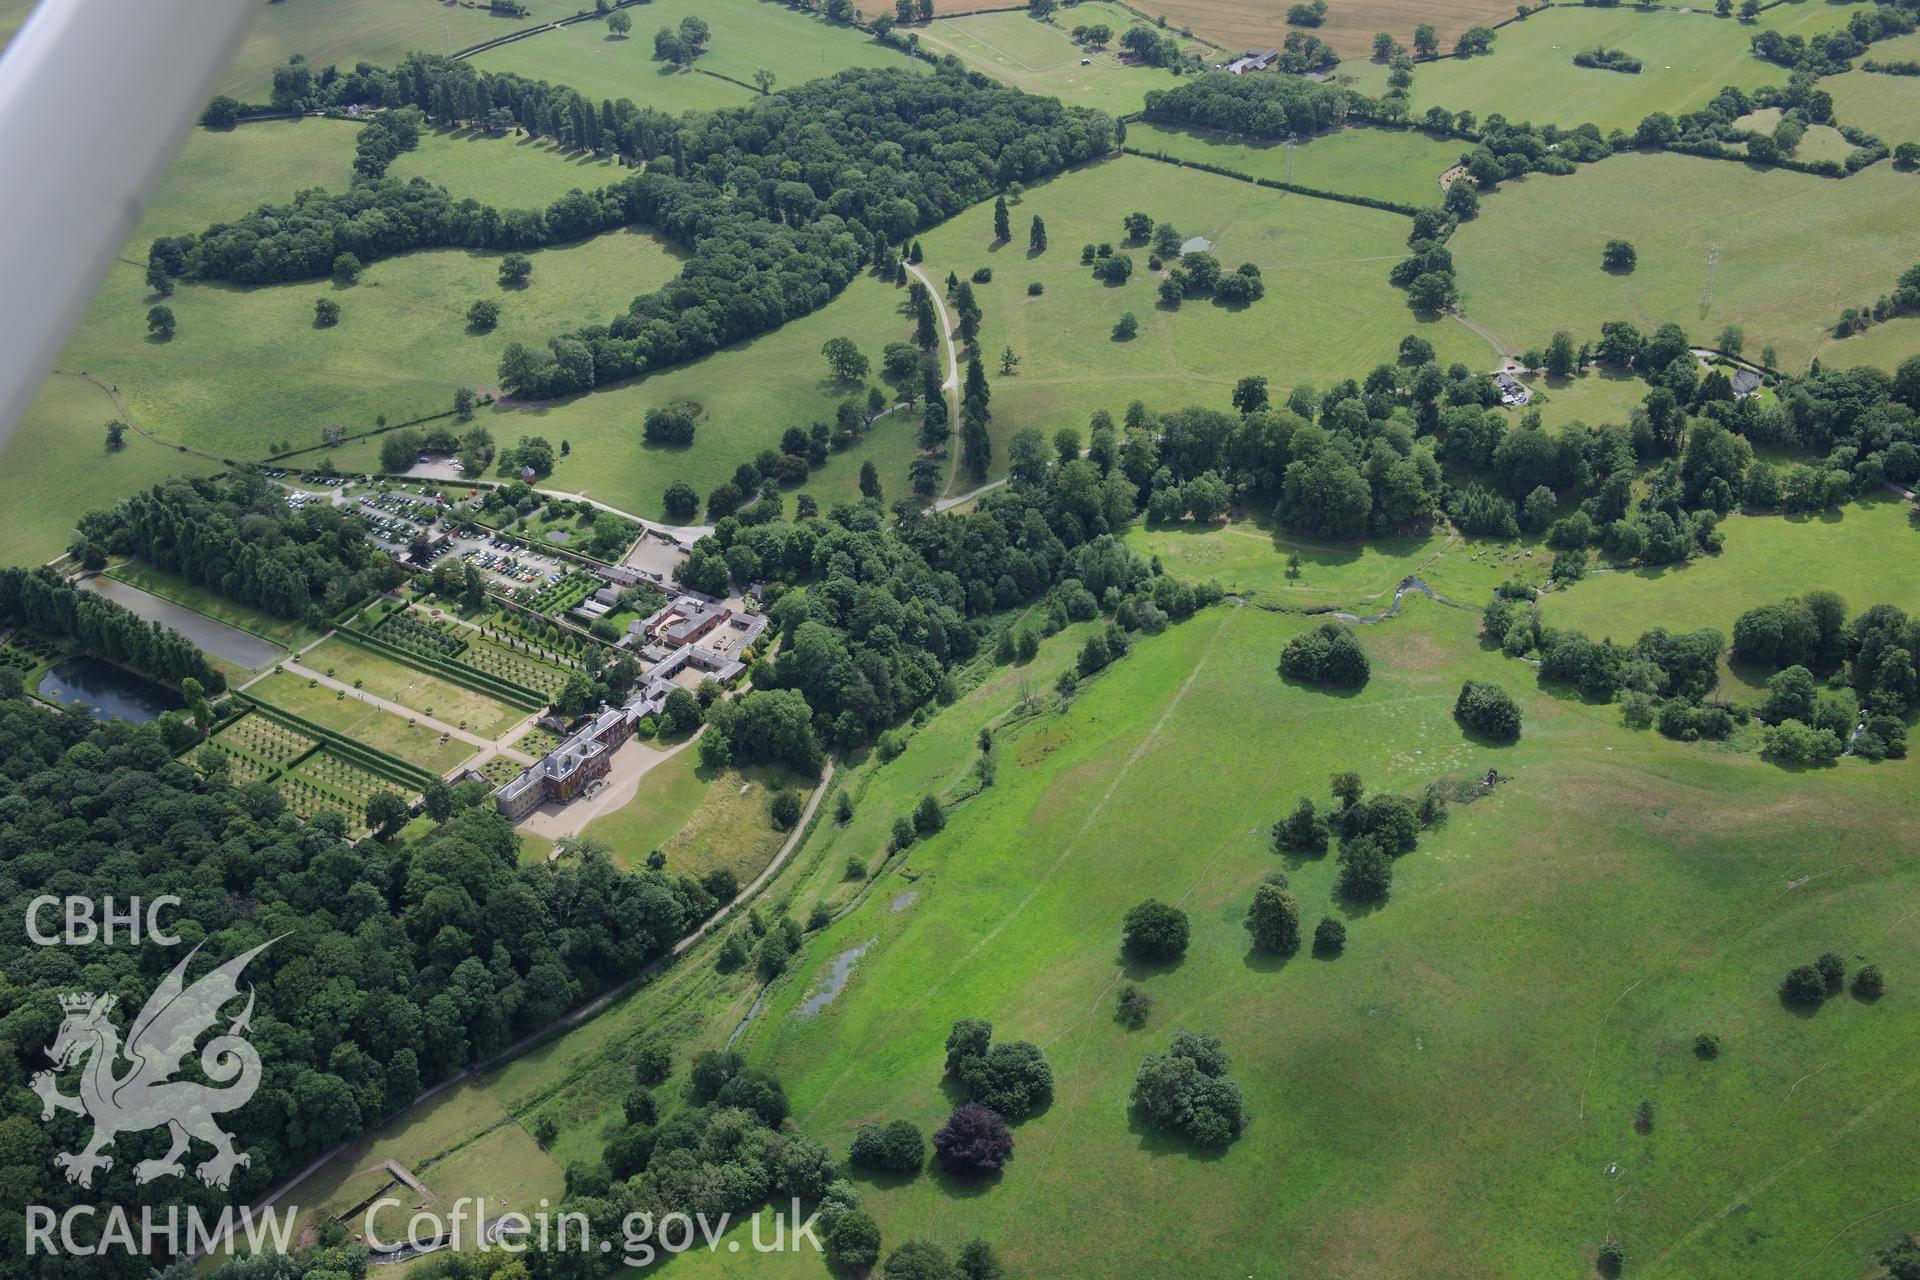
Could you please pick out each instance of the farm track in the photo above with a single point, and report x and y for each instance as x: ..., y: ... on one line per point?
x: 952, y: 384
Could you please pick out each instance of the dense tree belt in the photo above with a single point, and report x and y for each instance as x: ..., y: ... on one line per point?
x: 239, y: 537
x: 778, y: 205
x: 41, y: 600
x: 400, y: 964
x: 1258, y: 106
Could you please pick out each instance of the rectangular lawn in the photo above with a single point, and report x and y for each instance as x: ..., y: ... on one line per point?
x: 701, y: 819
x: 361, y: 721
x: 409, y: 686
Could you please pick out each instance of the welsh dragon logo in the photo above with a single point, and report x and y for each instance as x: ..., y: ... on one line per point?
x: 146, y: 1096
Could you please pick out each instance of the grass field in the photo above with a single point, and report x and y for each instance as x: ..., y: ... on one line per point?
x: 400, y: 348
x: 749, y: 392
x: 463, y: 1143
x: 57, y: 466
x: 747, y: 36
x: 1342, y: 1059
x: 509, y: 173
x: 1328, y: 312
x: 1595, y: 397
x: 248, y: 369
x: 361, y: 721
x: 409, y: 686
x: 1530, y: 263
x: 382, y: 32
x: 668, y: 795
x: 1041, y: 57
x: 1687, y: 57
x: 699, y: 818
x: 1820, y: 142
x: 1488, y: 980
x: 1349, y: 27
x: 1385, y: 164
x: 220, y: 175
x: 1884, y: 346
x: 1249, y: 559
x: 1882, y: 104
x: 1866, y: 551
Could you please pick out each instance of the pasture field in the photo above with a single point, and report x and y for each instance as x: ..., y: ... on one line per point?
x: 582, y: 56
x: 1401, y: 165
x: 382, y: 32
x: 1865, y: 551
x: 1342, y: 1059
x: 701, y: 819
x: 1542, y: 1030
x: 248, y: 368
x: 412, y: 687
x: 221, y: 174
x: 1041, y: 57
x: 1349, y: 27
x: 1882, y: 104
x: 1328, y: 313
x: 1821, y: 141
x: 1687, y: 57
x: 508, y: 173
x: 749, y: 394
x: 747, y: 36
x: 1888, y: 106
x: 1530, y: 263
x: 1884, y: 346
x: 362, y: 721
x: 56, y: 467
x: 1249, y: 559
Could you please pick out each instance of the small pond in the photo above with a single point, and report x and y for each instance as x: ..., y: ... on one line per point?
x: 113, y: 692
x: 835, y: 981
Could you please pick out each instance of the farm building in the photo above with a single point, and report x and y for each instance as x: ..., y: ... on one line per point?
x: 1251, y: 60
